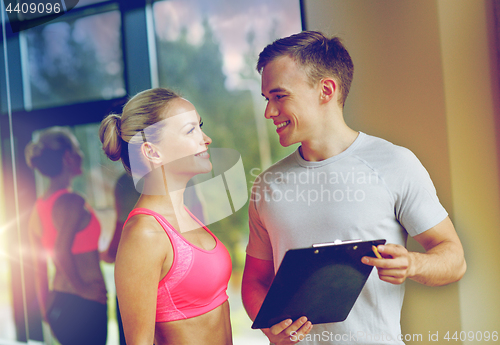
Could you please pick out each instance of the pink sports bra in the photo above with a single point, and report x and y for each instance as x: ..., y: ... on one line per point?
x: 85, y: 240
x: 197, y: 281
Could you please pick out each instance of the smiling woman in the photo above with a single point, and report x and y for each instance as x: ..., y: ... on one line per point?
x: 180, y: 144
x: 165, y: 252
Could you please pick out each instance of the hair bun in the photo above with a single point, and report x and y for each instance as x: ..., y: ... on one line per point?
x: 110, y: 136
x: 32, y: 152
x: 46, y: 152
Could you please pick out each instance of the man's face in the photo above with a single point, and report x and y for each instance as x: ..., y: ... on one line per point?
x: 292, y: 102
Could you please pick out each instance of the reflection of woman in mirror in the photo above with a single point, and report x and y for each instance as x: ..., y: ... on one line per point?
x: 63, y: 227
x: 171, y: 272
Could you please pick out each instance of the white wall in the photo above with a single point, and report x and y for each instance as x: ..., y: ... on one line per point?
x: 425, y: 78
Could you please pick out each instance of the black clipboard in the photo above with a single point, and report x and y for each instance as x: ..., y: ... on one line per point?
x: 321, y: 282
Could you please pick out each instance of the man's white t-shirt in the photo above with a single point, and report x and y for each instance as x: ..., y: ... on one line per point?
x: 372, y: 190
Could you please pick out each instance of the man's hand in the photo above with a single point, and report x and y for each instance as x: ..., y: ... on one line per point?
x: 442, y: 263
x: 286, y: 332
x: 394, y: 267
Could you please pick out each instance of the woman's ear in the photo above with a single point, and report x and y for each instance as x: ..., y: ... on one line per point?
x: 68, y: 158
x: 151, y: 153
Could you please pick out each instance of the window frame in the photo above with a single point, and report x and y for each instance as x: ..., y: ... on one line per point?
x: 139, y: 73
x: 24, y: 122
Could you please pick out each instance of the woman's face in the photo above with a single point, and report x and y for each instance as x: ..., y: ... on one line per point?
x: 74, y: 157
x: 183, y: 146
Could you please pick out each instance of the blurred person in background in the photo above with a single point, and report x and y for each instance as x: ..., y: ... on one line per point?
x: 64, y: 228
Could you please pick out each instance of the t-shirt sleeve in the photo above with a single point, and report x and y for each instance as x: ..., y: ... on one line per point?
x: 259, y: 243
x: 417, y: 205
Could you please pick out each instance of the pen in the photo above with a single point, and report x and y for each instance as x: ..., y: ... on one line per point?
x: 377, y: 254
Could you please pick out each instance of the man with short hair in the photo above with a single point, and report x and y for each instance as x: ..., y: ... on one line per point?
x: 340, y: 184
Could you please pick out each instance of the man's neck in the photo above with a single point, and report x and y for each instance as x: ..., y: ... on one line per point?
x: 328, y: 144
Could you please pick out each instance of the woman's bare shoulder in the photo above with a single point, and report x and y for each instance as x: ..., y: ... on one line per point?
x: 144, y: 232
x: 142, y: 250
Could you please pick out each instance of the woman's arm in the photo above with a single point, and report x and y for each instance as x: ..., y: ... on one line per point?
x: 141, y: 254
x: 39, y: 260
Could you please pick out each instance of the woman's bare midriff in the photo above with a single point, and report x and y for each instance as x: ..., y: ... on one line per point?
x: 90, y: 272
x: 212, y: 328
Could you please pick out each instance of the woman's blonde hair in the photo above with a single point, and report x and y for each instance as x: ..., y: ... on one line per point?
x: 46, y: 153
x: 118, y: 133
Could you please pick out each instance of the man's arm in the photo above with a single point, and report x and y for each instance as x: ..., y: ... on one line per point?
x: 442, y: 263
x: 257, y: 278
